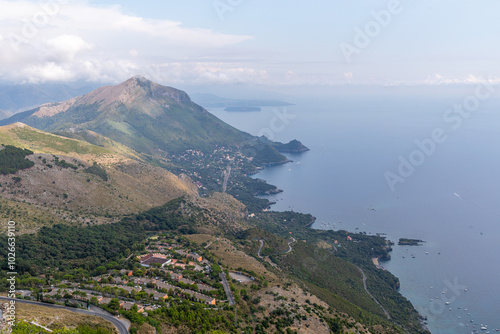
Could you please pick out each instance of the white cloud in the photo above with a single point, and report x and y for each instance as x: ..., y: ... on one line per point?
x: 48, y: 72
x: 61, y: 40
x: 65, y: 48
x: 52, y: 41
x: 438, y: 79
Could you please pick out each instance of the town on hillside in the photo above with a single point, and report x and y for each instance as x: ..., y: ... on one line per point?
x: 164, y: 269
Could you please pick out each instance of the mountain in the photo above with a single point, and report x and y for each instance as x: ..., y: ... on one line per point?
x: 14, y: 98
x: 298, y: 277
x: 143, y: 115
x: 82, y: 183
x: 4, y: 114
x: 214, y: 101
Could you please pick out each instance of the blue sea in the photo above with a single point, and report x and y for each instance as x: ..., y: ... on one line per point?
x: 451, y: 198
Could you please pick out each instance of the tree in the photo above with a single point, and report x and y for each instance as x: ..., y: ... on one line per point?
x: 101, y: 270
x: 114, y: 304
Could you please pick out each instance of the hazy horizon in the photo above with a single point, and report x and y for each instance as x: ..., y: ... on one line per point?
x: 257, y: 44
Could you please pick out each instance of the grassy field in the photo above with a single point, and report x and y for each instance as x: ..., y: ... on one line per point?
x: 234, y: 258
x: 58, y: 319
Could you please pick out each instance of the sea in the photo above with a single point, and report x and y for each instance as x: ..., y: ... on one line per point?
x: 409, y: 166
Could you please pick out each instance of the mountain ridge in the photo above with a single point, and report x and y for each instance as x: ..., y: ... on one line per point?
x: 148, y: 117
x: 16, y: 98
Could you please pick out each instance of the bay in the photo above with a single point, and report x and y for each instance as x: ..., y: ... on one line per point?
x: 450, y: 199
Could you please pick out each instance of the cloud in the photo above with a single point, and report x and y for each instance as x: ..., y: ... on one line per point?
x: 438, y: 79
x: 59, y: 40
x: 48, y: 72
x: 65, y: 48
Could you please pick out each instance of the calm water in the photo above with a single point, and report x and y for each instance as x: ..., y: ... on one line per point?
x: 450, y: 201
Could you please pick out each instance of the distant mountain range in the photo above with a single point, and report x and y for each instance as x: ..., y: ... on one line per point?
x: 4, y: 114
x: 148, y: 117
x: 14, y: 98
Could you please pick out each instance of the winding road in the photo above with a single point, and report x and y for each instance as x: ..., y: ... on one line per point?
x: 122, y: 328
x: 290, y: 245
x: 261, y: 244
x: 368, y: 292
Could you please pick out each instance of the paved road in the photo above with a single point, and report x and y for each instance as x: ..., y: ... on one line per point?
x: 261, y: 244
x: 290, y: 245
x: 122, y: 329
x: 368, y: 292
x: 229, y: 294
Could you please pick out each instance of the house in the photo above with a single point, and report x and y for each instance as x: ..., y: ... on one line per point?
x: 166, y: 286
x: 129, y: 289
x: 118, y: 280
x: 126, y: 305
x: 193, y: 256
x: 175, y: 276
x: 143, y: 281
x: 180, y: 265
x: 186, y: 281
x: 156, y: 294
x: 55, y: 292
x: 201, y: 298
x: 204, y: 287
x: 196, y: 257
x: 126, y: 272
x: 151, y: 258
x: 206, y: 299
x: 103, y: 300
x: 23, y: 293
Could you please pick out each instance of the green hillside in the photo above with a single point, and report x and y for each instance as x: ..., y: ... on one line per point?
x: 141, y: 114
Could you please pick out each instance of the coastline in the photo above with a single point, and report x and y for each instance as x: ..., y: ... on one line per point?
x: 270, y: 164
x: 376, y: 260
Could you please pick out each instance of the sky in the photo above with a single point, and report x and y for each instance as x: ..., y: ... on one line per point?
x: 259, y: 43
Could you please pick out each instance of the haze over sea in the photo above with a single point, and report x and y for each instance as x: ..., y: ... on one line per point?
x: 451, y: 200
